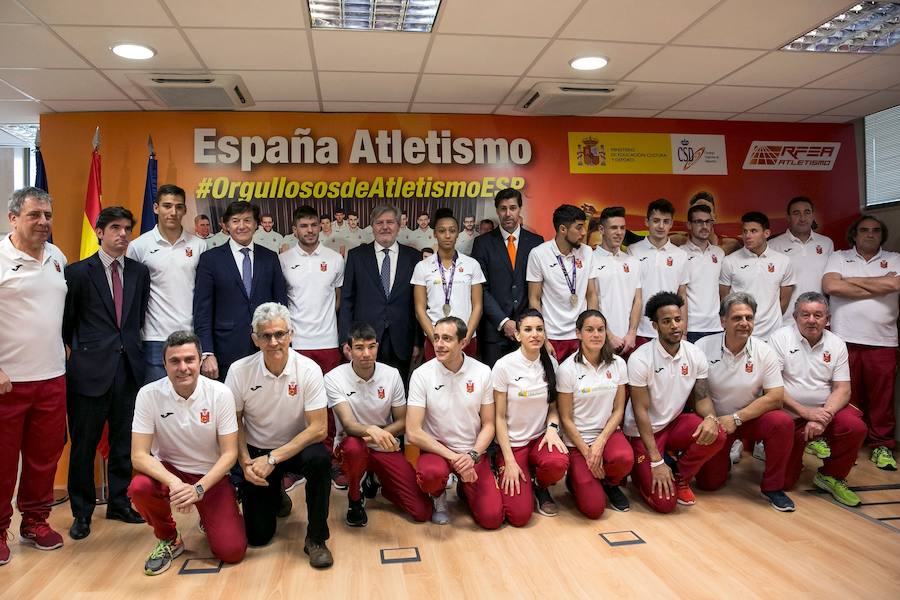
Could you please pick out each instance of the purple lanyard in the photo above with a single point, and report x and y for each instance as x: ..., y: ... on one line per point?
x: 562, y: 264
x: 447, y: 286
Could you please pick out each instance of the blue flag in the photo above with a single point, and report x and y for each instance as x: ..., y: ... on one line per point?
x: 148, y: 217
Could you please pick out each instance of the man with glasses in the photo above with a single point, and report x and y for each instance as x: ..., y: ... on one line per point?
x: 704, y: 265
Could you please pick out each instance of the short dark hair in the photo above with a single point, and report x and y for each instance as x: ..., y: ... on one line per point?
x: 798, y: 200
x: 566, y: 214
x: 445, y: 213
x: 661, y: 205
x: 755, y: 216
x: 854, y: 228
x: 264, y: 215
x: 462, y: 330
x: 113, y: 213
x: 489, y: 221
x: 423, y: 213
x: 611, y: 211
x: 201, y: 217
x: 606, y: 351
x: 506, y: 193
x: 698, y: 208
x: 427, y: 250
x: 239, y: 207
x: 181, y: 338
x: 352, y: 213
x: 304, y: 212
x: 361, y: 331
x: 321, y: 217
x: 340, y: 210
x: 702, y: 195
x: 169, y: 189
x: 660, y: 300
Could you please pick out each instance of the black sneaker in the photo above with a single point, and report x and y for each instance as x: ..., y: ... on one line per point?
x: 617, y: 498
x: 544, y: 502
x: 319, y: 555
x: 779, y: 501
x: 370, y: 485
x: 286, y: 505
x: 356, y: 513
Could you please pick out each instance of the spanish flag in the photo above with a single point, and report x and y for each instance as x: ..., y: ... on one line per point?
x: 89, y: 243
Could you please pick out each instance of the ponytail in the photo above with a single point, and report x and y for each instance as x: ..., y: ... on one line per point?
x: 549, y: 375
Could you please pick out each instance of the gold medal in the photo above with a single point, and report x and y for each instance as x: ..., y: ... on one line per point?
x: 573, y: 300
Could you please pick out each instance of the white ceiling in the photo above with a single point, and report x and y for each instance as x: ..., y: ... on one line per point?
x: 688, y: 59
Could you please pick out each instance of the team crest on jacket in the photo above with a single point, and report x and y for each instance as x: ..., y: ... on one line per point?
x: 827, y: 356
x: 189, y: 252
x: 58, y: 270
x: 292, y: 388
x: 323, y: 266
x: 577, y: 263
x: 819, y: 250
x: 204, y: 416
x: 771, y: 268
x: 470, y: 386
x: 380, y: 392
x: 461, y: 269
x: 625, y: 267
x: 883, y: 265
x: 748, y: 366
x: 684, y: 370
x: 715, y: 259
x: 608, y: 374
x: 669, y: 261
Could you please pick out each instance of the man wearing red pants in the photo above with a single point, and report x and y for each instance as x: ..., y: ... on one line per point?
x: 740, y: 367
x: 189, y: 422
x: 865, y: 297
x: 369, y: 402
x: 816, y: 372
x: 32, y: 368
x: 450, y: 418
x: 664, y: 375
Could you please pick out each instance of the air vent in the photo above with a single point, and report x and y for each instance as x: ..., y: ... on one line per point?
x: 582, y: 99
x: 195, y: 92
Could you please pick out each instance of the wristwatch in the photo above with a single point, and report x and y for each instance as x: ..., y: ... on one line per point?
x: 737, y: 420
x: 199, y: 489
x: 474, y: 455
x: 271, y: 459
x: 554, y: 426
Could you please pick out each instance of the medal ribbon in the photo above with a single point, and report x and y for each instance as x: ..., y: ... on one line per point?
x: 447, y: 286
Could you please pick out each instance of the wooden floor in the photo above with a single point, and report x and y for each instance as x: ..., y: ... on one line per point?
x: 731, y: 544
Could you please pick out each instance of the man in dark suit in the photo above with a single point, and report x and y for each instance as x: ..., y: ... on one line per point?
x: 377, y: 291
x: 232, y: 280
x: 503, y: 256
x: 104, y: 312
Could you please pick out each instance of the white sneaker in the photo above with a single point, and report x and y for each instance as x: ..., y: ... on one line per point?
x: 441, y: 515
x: 736, y: 452
x: 759, y: 451
x: 451, y: 481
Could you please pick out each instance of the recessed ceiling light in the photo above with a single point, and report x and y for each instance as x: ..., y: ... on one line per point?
x: 383, y: 15
x: 133, y: 51
x: 588, y: 63
x: 866, y: 27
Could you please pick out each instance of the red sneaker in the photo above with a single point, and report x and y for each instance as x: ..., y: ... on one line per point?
x: 4, y: 549
x: 683, y: 492
x: 40, y: 535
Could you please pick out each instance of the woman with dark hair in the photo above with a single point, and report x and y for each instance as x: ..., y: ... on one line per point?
x: 591, y: 395
x: 527, y: 424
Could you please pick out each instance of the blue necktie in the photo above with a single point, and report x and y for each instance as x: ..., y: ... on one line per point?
x: 386, y: 272
x: 247, y: 270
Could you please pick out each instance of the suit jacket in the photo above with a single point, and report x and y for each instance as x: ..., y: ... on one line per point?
x: 223, y: 310
x: 505, y: 291
x: 89, y: 324
x: 363, y: 299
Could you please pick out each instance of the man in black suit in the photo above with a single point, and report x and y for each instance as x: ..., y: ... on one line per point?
x: 104, y: 312
x: 232, y: 280
x: 377, y: 291
x: 503, y: 256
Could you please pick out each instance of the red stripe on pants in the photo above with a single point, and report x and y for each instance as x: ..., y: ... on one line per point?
x: 845, y: 435
x: 471, y: 349
x: 564, y: 348
x: 218, y: 510
x: 33, y: 425
x: 872, y: 373
x: 397, y: 477
x: 677, y: 437
x: 482, y: 495
x: 776, y: 430
x: 549, y: 467
x: 587, y: 490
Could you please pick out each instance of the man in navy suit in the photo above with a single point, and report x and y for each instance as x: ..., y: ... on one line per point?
x: 377, y: 291
x: 503, y: 256
x: 104, y: 313
x: 232, y: 280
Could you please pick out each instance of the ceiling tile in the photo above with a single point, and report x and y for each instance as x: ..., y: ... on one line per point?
x: 366, y: 106
x: 386, y: 51
x: 656, y: 95
x: 622, y: 59
x: 764, y: 24
x: 870, y: 104
x: 477, y: 89
x: 828, y: 119
x: 239, y: 13
x: 61, y: 84
x: 655, y: 21
x: 537, y: 18
x: 285, y: 106
x: 728, y: 98
x: 439, y: 108
x: 94, y: 42
x: 872, y: 73
x: 768, y: 117
x: 367, y: 87
x: 146, y: 13
x: 251, y: 48
x: 790, y: 69
x: 44, y: 50
x: 280, y: 85
x: 482, y: 55
x: 91, y: 105
x: 25, y: 111
x: 8, y: 93
x: 134, y: 91
x: 690, y: 114
x: 626, y: 112
x: 10, y: 12
x: 509, y: 110
x: 692, y: 65
x: 809, y: 101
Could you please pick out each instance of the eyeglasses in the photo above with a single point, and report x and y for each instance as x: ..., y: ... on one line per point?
x: 704, y: 222
x: 275, y: 335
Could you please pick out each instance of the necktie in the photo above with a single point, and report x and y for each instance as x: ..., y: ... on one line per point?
x: 511, y: 250
x: 386, y: 272
x: 247, y: 270
x: 116, y: 290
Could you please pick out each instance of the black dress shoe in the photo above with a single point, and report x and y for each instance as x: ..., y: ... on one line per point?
x: 80, y: 529
x: 125, y: 514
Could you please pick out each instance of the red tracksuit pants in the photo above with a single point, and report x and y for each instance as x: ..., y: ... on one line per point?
x: 587, y: 490
x: 482, y: 495
x: 872, y: 373
x: 549, y: 467
x: 845, y: 435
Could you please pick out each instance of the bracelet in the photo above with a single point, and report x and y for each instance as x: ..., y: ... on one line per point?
x: 657, y: 463
x: 713, y: 417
